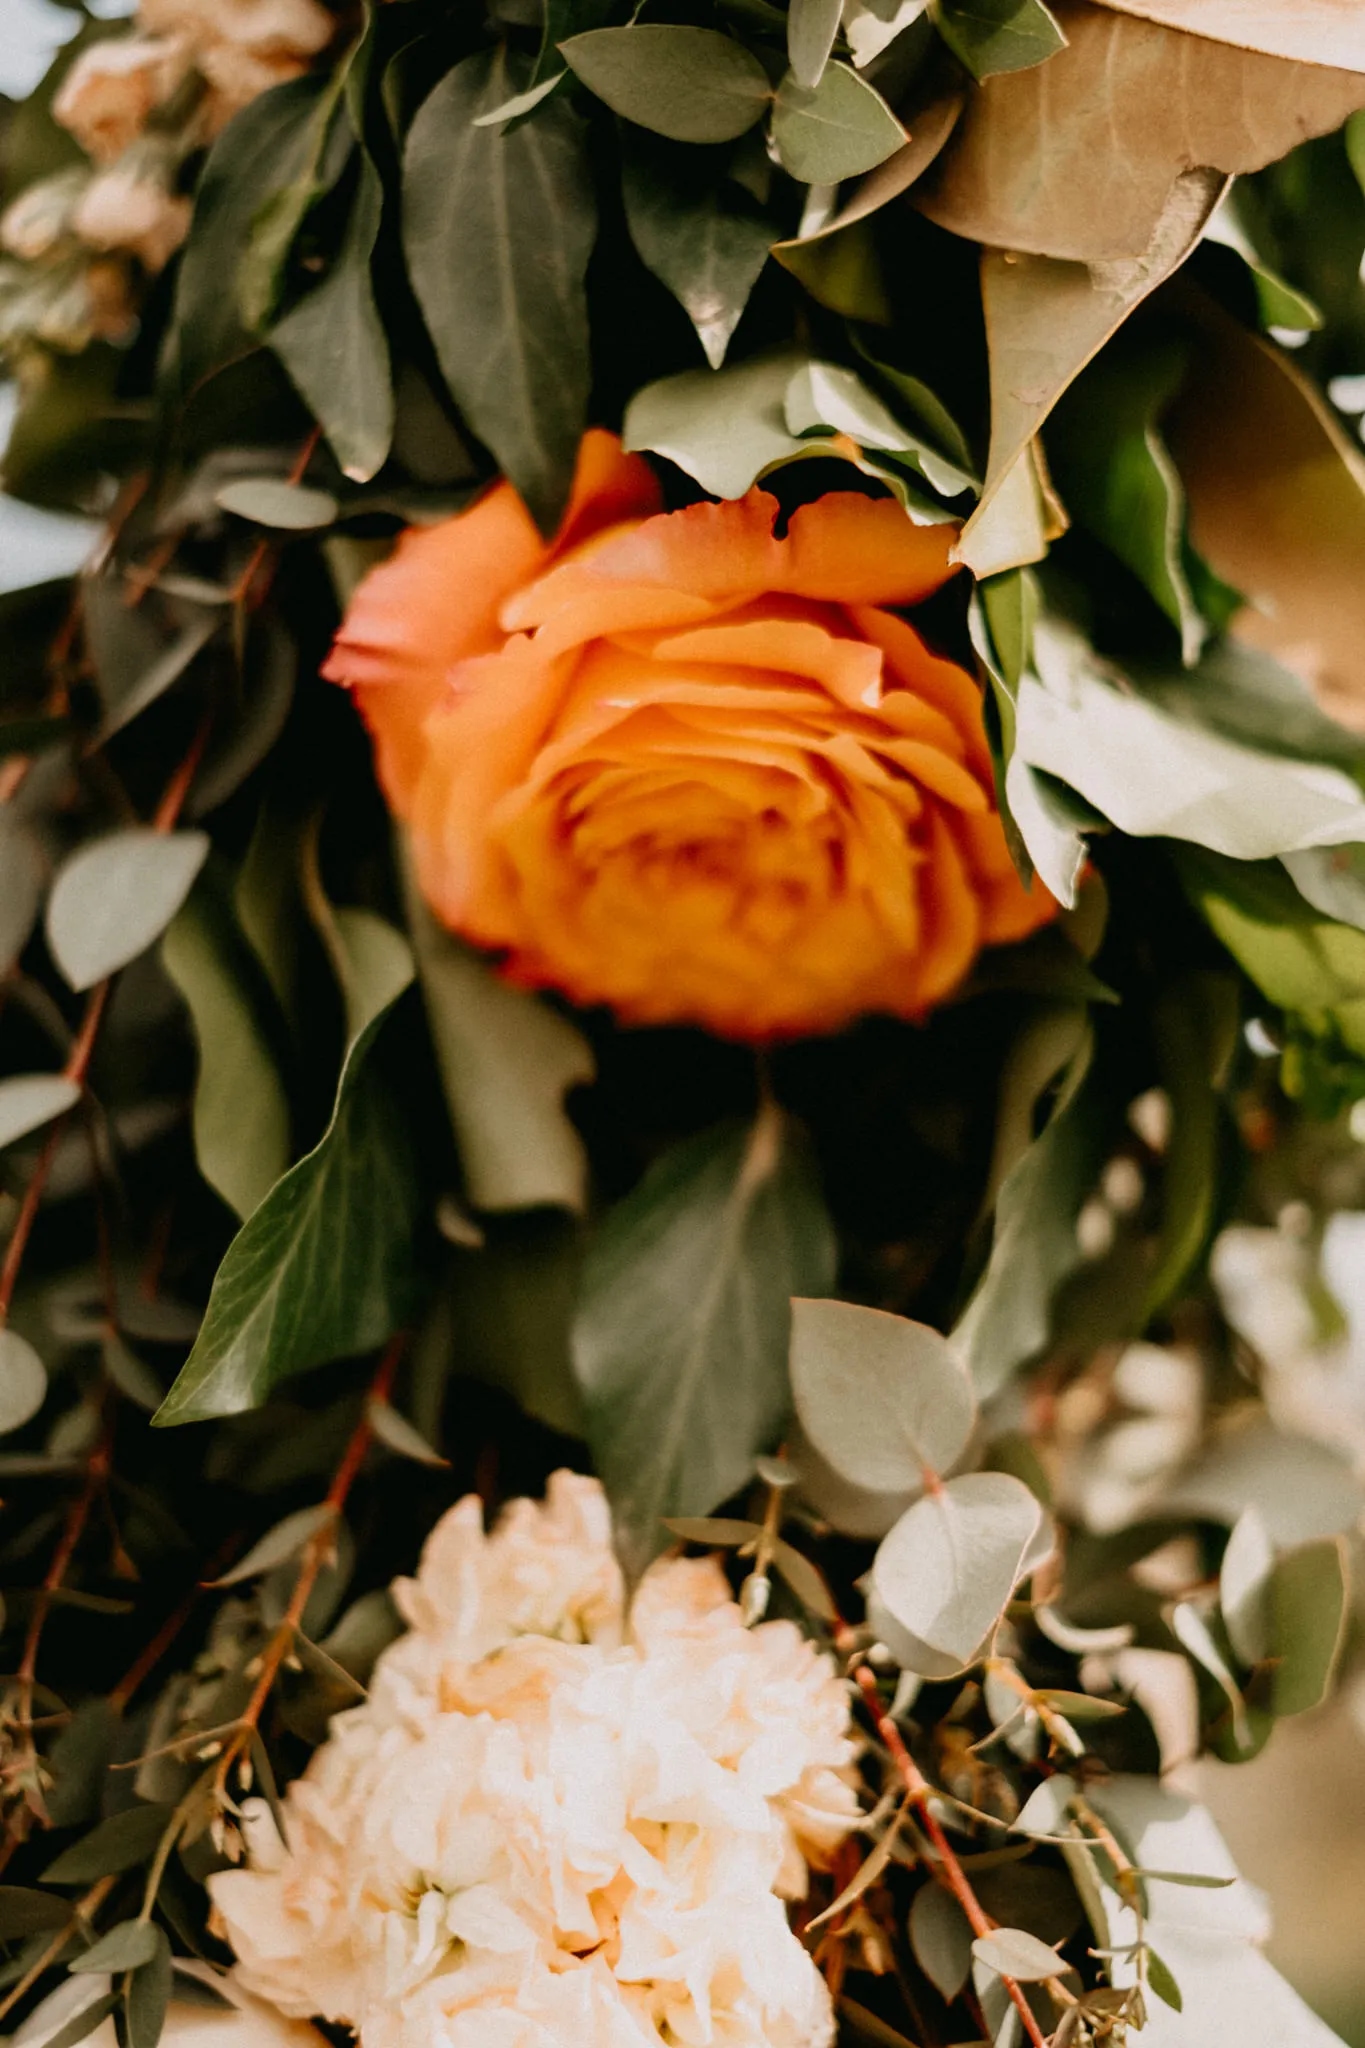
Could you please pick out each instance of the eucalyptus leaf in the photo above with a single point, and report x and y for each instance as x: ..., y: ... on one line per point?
x: 498, y: 228
x: 941, y: 1939
x: 691, y: 84
x: 125, y: 1947
x: 155, y: 677
x: 1307, y: 1599
x: 836, y: 130
x: 23, y: 1381
x: 949, y: 1566
x: 125, y: 1370
x: 146, y: 1995
x: 270, y: 501
x: 23, y: 876
x: 724, y: 427
x: 991, y: 36
x: 80, y: 2024
x: 25, y: 1911
x: 680, y: 1340
x: 28, y: 1101
x: 120, y: 1843
x: 1012, y: 1952
x: 812, y: 26
x: 1243, y: 1586
x: 884, y: 1400
x: 397, y: 1434
x: 114, y: 896
x: 280, y: 1544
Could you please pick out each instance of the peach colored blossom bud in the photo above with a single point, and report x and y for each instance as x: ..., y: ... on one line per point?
x: 113, y: 88
x: 124, y: 208
x: 34, y: 223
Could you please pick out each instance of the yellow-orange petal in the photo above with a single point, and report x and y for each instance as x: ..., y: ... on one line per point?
x: 854, y: 550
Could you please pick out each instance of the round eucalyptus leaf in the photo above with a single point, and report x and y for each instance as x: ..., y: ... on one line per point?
x: 271, y: 501
x: 23, y: 1381
x: 947, y: 1569
x: 117, y: 894
x: 882, y: 1399
x: 28, y: 1101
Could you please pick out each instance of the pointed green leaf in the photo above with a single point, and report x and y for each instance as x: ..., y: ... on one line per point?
x: 28, y: 1101
x: 812, y: 26
x: 991, y: 36
x: 838, y: 130
x: 23, y: 1381
x: 692, y: 84
x: 702, y: 237
x: 114, y: 896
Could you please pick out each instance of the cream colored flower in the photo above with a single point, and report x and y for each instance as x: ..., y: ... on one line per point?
x: 37, y: 220
x: 114, y: 87
x: 552, y: 1823
x: 268, y: 28
x: 125, y: 207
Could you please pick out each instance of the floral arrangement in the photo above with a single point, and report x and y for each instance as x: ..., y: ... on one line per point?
x: 682, y: 1003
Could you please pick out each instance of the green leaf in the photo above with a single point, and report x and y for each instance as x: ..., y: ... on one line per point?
x: 322, y: 1268
x: 1298, y: 958
x: 28, y: 1101
x: 947, y: 1569
x: 277, y: 223
x: 78, y: 1761
x: 279, y: 1545
x: 1307, y: 1598
x: 1116, y: 475
x: 114, y: 896
x: 941, y: 1939
x: 1035, y: 1248
x: 1277, y: 301
x: 507, y: 1060
x: 839, y: 130
x: 127, y: 686
x: 521, y: 102
x: 701, y: 237
x: 265, y: 150
x: 241, y: 1108
x: 498, y: 229
x: 1153, y: 775
x: 812, y: 26
x: 692, y: 84
x: 724, y: 427
x: 1012, y: 1952
x: 885, y: 1401
x: 119, y: 1843
x: 24, y: 1911
x: 270, y: 501
x: 146, y: 1994
x: 333, y: 345
x: 23, y: 877
x: 125, y: 1947
x: 23, y: 1381
x: 82, y: 2022
x: 1194, y: 1026
x: 990, y: 36
x: 681, y: 1334
x: 398, y: 1435
x: 1243, y: 1586
x: 1163, y: 1983
x: 827, y: 395
x: 125, y: 1370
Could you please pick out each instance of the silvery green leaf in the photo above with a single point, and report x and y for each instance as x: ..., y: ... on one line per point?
x: 125, y: 1947
x: 948, y: 1568
x: 285, y: 1541
x: 941, y: 1939
x: 23, y: 1381
x: 28, y: 1101
x: 1332, y: 879
x: 1154, y: 775
x: 825, y: 395
x: 114, y: 896
x: 724, y: 427
x: 835, y: 130
x: 1013, y: 1952
x: 1047, y: 1810
x: 1243, y: 1579
x: 884, y: 1400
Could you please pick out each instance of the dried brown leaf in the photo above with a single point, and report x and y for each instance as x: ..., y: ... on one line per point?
x: 1077, y: 157
x: 1045, y: 319
x: 1276, y: 497
x: 1310, y: 31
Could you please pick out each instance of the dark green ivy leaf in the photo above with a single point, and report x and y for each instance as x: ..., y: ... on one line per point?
x: 498, y: 228
x: 681, y: 1336
x: 322, y: 1268
x: 989, y: 36
x: 703, y: 238
x: 692, y: 84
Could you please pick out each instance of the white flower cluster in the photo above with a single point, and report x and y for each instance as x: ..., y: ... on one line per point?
x: 555, y: 1822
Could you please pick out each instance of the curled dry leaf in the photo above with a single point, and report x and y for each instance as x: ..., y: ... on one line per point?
x: 1045, y: 320
x: 1077, y: 157
x: 1310, y: 31
x: 1276, y: 496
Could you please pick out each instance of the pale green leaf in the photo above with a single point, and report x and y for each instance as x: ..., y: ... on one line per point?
x: 1012, y: 1952
x: 397, y: 1434
x: 990, y: 36
x: 838, y: 130
x: 941, y: 1939
x: 114, y: 896
x: 950, y: 1565
x: 124, y: 1947
x: 1307, y: 1598
x: 724, y: 427
x: 28, y: 1101
x: 883, y: 1400
x: 681, y: 1335
x: 1243, y: 1586
x: 23, y: 1381
x: 285, y: 1541
x: 812, y: 26
x: 270, y: 501
x: 692, y: 84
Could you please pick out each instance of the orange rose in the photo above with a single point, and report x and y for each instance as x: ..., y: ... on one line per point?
x: 676, y: 764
